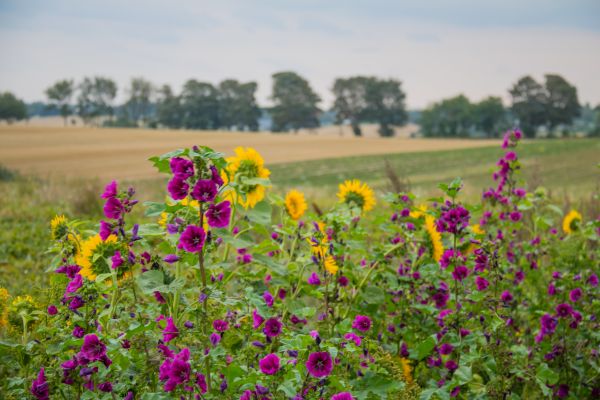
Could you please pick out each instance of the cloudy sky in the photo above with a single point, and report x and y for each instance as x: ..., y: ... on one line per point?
x: 437, y: 48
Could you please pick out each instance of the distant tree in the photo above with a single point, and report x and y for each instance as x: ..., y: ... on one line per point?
x: 529, y: 104
x: 95, y: 98
x: 596, y: 129
x: 562, y: 104
x: 59, y: 97
x: 200, y: 105
x: 385, y: 105
x: 237, y: 105
x: 489, y: 116
x: 350, y: 101
x: 169, y: 111
x: 295, y: 103
x: 139, y: 103
x: 11, y: 108
x: 450, y: 117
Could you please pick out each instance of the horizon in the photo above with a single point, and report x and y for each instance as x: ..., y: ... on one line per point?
x: 476, y: 43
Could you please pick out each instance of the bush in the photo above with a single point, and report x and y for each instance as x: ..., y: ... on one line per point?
x: 236, y: 293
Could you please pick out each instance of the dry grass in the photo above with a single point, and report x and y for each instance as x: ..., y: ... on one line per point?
x: 123, y: 153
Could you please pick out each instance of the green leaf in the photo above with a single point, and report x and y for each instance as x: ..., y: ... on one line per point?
x: 463, y: 374
x: 154, y: 209
x: 374, y: 295
x: 546, y: 375
x: 260, y: 214
x: 423, y: 349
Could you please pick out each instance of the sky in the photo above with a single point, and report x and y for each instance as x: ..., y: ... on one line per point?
x: 437, y: 48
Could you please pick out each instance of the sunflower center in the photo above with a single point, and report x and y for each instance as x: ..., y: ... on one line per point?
x: 247, y: 169
x: 356, y: 198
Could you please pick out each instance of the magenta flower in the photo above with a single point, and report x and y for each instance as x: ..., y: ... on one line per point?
x: 342, y: 396
x: 116, y: 260
x: 170, y: 332
x: 593, y: 280
x: 113, y: 208
x: 201, y: 382
x: 214, y: 338
x: 449, y: 257
x: 257, y: 319
x: 451, y: 365
x: 506, y: 296
x: 78, y: 332
x: 52, y: 310
x: 453, y: 220
x: 445, y: 349
x: 354, y: 337
x: 319, y: 364
x: 181, y: 167
x: 92, y: 349
x: 460, y: 273
x: 362, y: 323
x: 272, y: 327
x: 192, y: 239
x: 220, y: 325
x: 176, y: 371
x: 215, y: 176
x: 105, y: 230
x: 110, y: 190
x: 269, y: 364
x: 313, y: 279
x: 481, y: 283
x: 74, y: 284
x: 105, y: 387
x: 204, y: 191
x: 39, y: 386
x: 269, y: 299
x: 575, y: 295
x: 69, y: 270
x: 218, y: 215
x: 564, y: 310
x: 178, y: 188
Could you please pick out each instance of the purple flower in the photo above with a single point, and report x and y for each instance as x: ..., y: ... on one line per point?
x: 105, y: 230
x: 181, y: 167
x: 445, y: 349
x: 313, y: 279
x: 564, y: 310
x: 113, y: 208
x: 178, y: 188
x: 220, y: 325
x: 460, y: 273
x: 268, y: 298
x: 342, y: 396
x: 548, y: 324
x: 92, y: 349
x: 105, y: 387
x: 362, y: 323
x: 201, y: 382
x: 110, y: 190
x: 75, y: 302
x: 116, y: 260
x: 319, y: 364
x: 218, y: 215
x: 78, y: 332
x: 69, y: 270
x: 272, y: 327
x: 175, y: 371
x: 214, y: 338
x: 171, y: 258
x: 74, y: 284
x: 575, y: 295
x: 39, y: 386
x: 593, y: 280
x: 343, y: 281
x: 257, y: 319
x: 354, y: 337
x: 204, y: 190
x: 215, y: 176
x: 269, y: 364
x: 481, y: 283
x: 450, y: 256
x: 170, y: 331
x: 562, y: 391
x: 453, y: 220
x: 451, y: 365
x: 506, y: 296
x: 192, y: 239
x: 159, y: 297
x: 52, y: 310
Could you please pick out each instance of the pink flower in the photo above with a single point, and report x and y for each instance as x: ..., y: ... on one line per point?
x: 269, y: 364
x: 192, y: 239
x: 362, y: 323
x: 319, y: 364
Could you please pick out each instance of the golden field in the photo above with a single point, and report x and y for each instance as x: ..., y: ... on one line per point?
x: 122, y: 153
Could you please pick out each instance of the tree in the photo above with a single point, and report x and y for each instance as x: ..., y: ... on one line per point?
x: 168, y: 108
x: 385, y: 105
x: 11, y: 108
x: 350, y: 101
x: 95, y: 98
x: 139, y: 104
x: 237, y: 105
x: 59, y: 97
x: 450, y: 117
x: 562, y: 104
x: 295, y: 103
x: 200, y: 105
x: 489, y: 116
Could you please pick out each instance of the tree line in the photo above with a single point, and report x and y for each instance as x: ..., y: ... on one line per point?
x: 232, y: 105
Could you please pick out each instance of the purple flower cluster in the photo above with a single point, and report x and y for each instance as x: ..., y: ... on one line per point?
x: 175, y: 370
x: 454, y: 219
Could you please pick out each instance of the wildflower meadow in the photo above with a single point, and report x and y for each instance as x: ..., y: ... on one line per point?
x: 231, y: 291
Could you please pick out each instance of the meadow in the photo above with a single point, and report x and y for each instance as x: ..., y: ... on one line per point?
x: 383, y: 276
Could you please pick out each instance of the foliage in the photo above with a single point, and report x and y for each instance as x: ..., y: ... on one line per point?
x: 95, y: 98
x: 59, y: 97
x: 11, y: 108
x: 139, y: 103
x: 218, y: 301
x: 295, y: 103
x: 237, y: 105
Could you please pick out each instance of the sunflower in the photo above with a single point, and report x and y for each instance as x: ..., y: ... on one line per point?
x: 475, y: 229
x: 19, y: 308
x: 357, y: 193
x: 435, y: 237
x: 4, y: 296
x: 406, y: 370
x: 295, y: 205
x: 59, y: 227
x: 571, y: 222
x: 319, y: 244
x: 246, y: 164
x: 93, y: 256
x: 330, y: 265
x: 164, y: 217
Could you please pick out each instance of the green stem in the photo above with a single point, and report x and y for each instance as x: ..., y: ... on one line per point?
x: 205, y: 300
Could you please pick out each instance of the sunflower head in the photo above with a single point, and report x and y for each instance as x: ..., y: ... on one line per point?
x: 319, y: 242
x: 571, y: 222
x: 245, y: 165
x: 94, y: 255
x: 59, y: 227
x: 357, y: 193
x: 4, y: 297
x: 19, y: 308
x: 295, y: 204
x: 330, y: 265
x: 435, y: 238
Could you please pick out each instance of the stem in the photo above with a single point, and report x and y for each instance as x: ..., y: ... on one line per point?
x: 205, y: 299
x: 24, y: 319
x: 113, y: 301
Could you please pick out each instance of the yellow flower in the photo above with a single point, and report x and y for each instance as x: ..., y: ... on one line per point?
x: 330, y: 265
x: 476, y: 229
x: 90, y: 267
x: 59, y: 227
x: 320, y: 247
x: 358, y: 193
x: 246, y: 164
x: 570, y: 222
x: 435, y: 237
x: 20, y: 307
x: 164, y: 217
x: 419, y: 211
x: 295, y: 205
x: 4, y: 296
x: 406, y: 370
